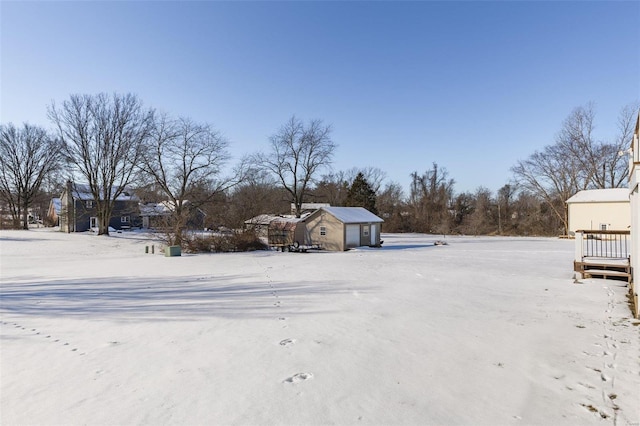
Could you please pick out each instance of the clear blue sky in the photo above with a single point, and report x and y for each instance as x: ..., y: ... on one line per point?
x: 473, y: 86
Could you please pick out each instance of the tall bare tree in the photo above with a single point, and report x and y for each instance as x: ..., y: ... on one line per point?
x: 102, y: 137
x: 553, y: 175
x: 373, y: 175
x: 185, y: 160
x: 430, y: 196
x: 576, y: 161
x: 298, y: 153
x: 332, y: 188
x: 479, y: 222
x: 600, y: 160
x: 28, y: 156
x: 392, y: 208
x: 258, y: 193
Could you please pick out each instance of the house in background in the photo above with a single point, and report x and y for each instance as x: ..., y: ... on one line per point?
x: 157, y: 215
x: 634, y: 196
x: 78, y: 210
x: 599, y: 209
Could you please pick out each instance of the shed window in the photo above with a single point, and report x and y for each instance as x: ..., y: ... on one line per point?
x: 323, y: 231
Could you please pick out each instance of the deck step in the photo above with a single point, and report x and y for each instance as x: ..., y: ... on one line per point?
x: 606, y: 272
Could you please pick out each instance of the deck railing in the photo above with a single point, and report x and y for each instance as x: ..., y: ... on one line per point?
x: 603, y: 254
x: 614, y: 245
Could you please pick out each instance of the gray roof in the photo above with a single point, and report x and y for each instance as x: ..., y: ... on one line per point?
x: 352, y: 214
x: 266, y: 219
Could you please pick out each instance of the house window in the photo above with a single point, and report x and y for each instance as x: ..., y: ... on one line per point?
x: 323, y: 231
x: 125, y: 219
x: 88, y: 204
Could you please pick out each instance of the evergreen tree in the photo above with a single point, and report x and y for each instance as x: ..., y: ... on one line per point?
x: 360, y: 194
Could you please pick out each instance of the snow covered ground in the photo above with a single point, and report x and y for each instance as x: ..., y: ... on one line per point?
x: 482, y: 331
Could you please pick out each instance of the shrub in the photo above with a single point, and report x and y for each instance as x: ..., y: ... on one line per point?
x: 227, y: 242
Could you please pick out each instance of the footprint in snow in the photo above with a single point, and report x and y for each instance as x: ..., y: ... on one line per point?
x: 297, y: 378
x: 287, y: 342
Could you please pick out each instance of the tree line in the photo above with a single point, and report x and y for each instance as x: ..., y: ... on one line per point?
x: 113, y: 142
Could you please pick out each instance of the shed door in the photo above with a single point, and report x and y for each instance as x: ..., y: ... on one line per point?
x: 353, y: 235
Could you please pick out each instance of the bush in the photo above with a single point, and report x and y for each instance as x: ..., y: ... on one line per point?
x: 219, y: 243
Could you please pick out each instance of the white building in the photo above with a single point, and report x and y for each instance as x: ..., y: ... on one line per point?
x: 599, y: 209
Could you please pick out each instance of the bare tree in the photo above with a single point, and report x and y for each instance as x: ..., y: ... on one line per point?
x: 617, y: 164
x: 505, y: 199
x: 600, y: 160
x: 258, y: 193
x: 553, y: 175
x: 297, y: 154
x: 430, y: 196
x: 185, y: 159
x: 392, y: 208
x: 576, y: 161
x: 102, y: 136
x: 28, y: 156
x: 332, y: 188
x: 373, y: 175
x: 479, y: 222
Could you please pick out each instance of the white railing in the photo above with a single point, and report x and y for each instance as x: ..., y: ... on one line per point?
x: 604, y: 245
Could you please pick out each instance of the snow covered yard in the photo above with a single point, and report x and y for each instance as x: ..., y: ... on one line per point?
x: 482, y: 331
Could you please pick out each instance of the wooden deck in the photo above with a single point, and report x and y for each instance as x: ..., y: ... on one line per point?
x: 603, y: 254
x: 598, y: 268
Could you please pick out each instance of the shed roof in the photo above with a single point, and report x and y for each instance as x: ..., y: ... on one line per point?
x: 609, y: 195
x: 266, y: 219
x: 352, y: 214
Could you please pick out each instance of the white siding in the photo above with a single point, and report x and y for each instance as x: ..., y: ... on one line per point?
x: 589, y: 216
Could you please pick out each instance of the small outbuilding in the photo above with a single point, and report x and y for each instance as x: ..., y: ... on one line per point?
x: 599, y: 209
x: 342, y: 228
x: 326, y: 228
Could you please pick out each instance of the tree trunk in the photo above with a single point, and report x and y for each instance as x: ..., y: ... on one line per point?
x: 25, y: 216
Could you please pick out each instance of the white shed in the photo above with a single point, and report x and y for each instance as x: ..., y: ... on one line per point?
x: 599, y: 209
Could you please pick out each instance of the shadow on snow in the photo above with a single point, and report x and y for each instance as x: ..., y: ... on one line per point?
x: 164, y: 298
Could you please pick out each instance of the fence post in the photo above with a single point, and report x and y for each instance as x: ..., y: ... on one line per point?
x: 579, y: 247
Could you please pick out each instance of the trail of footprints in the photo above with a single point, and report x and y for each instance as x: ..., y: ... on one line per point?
x: 36, y: 332
x: 605, y: 353
x: 286, y: 343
